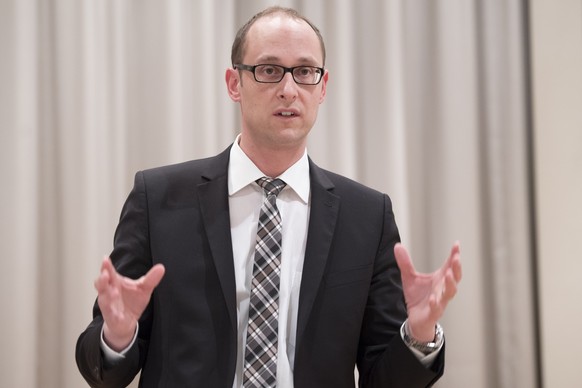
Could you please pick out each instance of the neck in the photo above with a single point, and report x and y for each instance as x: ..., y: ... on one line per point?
x: 272, y: 161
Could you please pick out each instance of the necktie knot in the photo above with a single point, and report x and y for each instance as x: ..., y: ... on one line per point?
x: 271, y: 186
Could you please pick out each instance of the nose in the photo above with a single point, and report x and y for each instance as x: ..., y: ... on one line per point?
x: 288, y: 87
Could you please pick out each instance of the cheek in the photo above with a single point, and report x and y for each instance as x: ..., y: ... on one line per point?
x: 314, y: 107
x: 256, y: 101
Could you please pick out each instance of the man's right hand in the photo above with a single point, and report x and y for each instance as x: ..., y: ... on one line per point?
x: 122, y: 302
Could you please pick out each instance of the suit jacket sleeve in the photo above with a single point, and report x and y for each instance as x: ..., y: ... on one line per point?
x: 132, y: 258
x: 383, y: 358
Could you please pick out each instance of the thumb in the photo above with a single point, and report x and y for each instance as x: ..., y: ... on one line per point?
x: 151, y: 279
x: 403, y: 260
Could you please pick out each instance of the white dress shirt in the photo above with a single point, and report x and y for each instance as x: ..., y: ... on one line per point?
x: 245, y: 199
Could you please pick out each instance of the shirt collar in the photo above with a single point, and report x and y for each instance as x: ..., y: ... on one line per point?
x: 242, y: 172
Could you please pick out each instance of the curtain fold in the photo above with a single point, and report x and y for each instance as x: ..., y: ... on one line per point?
x: 19, y: 143
x: 426, y: 102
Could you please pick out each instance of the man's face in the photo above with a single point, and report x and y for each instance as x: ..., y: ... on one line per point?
x: 278, y: 116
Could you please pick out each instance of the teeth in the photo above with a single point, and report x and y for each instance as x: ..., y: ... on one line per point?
x: 286, y: 113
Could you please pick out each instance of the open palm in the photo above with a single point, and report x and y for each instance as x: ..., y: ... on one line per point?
x: 122, y: 301
x: 427, y: 295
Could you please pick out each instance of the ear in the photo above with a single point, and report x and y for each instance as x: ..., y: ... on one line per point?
x: 232, y: 78
x: 323, y: 86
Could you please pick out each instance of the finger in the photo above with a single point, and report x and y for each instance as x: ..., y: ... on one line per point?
x: 457, y: 269
x: 437, y: 307
x: 450, y: 289
x: 108, y: 267
x: 433, y: 303
x: 102, y: 281
x: 454, y: 262
x: 403, y: 260
x: 456, y: 247
x: 152, y: 278
x: 455, y: 253
x: 106, y: 275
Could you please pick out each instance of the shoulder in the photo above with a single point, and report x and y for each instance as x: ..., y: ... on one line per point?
x: 193, y: 170
x: 179, y: 181
x: 343, y: 186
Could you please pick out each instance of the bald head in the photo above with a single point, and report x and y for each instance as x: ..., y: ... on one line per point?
x: 240, y: 42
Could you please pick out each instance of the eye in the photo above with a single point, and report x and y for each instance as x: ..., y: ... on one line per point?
x: 304, y: 71
x: 268, y: 70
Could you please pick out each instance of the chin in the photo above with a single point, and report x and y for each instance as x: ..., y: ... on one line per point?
x: 292, y: 137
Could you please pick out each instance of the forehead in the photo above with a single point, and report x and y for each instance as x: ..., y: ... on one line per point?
x: 283, y: 39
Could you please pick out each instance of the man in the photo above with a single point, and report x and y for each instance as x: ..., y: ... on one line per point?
x: 203, y: 239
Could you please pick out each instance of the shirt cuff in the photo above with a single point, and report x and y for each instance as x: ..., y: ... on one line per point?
x: 110, y: 355
x: 425, y: 359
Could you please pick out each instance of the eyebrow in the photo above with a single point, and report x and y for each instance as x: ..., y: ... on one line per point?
x: 272, y: 58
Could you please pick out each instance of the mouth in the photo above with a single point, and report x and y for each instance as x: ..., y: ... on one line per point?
x: 287, y: 113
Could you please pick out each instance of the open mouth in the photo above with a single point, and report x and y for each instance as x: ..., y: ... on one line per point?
x: 286, y: 114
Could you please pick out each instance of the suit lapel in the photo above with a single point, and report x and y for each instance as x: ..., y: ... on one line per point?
x: 322, y: 221
x: 213, y: 196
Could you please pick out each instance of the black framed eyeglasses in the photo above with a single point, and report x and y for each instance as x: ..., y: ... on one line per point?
x: 271, y: 74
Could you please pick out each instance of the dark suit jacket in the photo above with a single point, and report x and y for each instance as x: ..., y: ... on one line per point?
x: 350, y: 305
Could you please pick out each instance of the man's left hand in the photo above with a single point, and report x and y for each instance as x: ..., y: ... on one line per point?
x: 427, y: 295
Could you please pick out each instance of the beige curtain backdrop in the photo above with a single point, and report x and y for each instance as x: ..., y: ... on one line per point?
x: 557, y: 90
x: 426, y: 101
